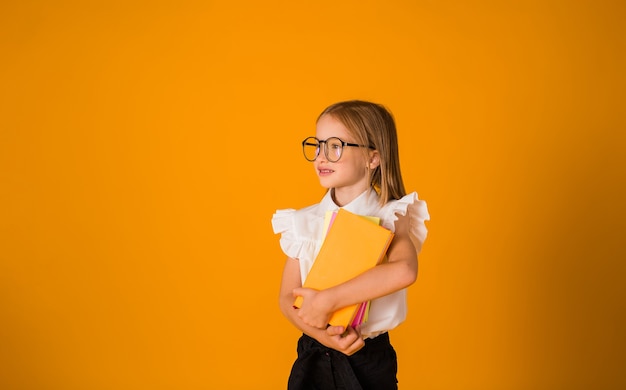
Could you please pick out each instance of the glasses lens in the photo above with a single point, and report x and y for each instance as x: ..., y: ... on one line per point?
x: 311, y: 148
x: 334, y: 147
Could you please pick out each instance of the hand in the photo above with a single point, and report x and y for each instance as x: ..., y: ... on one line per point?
x: 315, y: 310
x: 347, y: 342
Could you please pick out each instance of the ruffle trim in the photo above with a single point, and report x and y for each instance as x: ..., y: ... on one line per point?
x: 418, y: 214
x: 283, y: 222
x: 297, y: 247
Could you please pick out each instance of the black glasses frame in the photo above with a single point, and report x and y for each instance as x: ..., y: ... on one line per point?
x: 318, y: 142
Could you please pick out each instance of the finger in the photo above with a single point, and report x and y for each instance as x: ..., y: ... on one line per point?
x: 356, y: 347
x: 353, y: 347
x: 350, y: 331
x: 335, y: 330
x: 348, y: 338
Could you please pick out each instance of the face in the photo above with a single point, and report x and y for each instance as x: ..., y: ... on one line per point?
x: 349, y: 175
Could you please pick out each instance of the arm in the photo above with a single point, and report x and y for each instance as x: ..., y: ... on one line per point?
x: 399, y: 272
x: 334, y: 337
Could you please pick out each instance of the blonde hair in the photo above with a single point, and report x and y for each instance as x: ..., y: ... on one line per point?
x: 372, y: 124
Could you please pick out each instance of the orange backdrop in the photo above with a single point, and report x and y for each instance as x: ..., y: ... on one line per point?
x: 145, y: 145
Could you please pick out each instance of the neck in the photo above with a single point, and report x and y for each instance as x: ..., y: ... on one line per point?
x: 342, y: 197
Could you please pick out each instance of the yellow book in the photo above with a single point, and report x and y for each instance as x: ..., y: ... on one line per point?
x: 329, y: 217
x: 362, y: 312
x: 352, y: 245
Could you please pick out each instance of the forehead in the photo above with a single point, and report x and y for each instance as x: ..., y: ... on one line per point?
x: 328, y: 126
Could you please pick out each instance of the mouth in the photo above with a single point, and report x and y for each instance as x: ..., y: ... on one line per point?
x: 324, y: 172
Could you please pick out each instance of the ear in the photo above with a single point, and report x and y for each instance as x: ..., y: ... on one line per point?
x: 374, y: 160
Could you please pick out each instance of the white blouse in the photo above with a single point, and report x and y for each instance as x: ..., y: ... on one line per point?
x: 301, y: 238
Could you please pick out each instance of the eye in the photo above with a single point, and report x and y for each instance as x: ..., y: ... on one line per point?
x: 334, y: 145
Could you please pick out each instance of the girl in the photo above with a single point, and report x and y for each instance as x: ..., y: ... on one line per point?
x: 355, y: 156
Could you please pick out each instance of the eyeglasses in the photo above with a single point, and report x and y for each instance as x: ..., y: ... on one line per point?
x: 333, y: 148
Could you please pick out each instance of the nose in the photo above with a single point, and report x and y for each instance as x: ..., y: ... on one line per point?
x: 321, y: 155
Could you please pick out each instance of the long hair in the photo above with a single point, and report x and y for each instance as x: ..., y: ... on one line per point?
x: 372, y: 124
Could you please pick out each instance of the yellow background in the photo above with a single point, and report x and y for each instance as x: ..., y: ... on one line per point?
x: 145, y: 145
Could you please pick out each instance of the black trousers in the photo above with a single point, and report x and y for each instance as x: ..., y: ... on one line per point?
x: 320, y: 368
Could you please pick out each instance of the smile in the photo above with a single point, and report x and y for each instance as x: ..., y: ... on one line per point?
x: 324, y: 172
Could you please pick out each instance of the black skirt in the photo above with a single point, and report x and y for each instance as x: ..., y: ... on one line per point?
x: 320, y: 368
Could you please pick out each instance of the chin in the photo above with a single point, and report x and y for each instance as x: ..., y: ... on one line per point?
x: 326, y: 183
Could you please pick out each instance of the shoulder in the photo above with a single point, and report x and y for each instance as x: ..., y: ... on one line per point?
x: 410, y: 203
x: 299, y: 230
x: 413, y: 211
x: 288, y: 219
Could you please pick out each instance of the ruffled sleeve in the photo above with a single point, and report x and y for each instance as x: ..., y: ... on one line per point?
x: 283, y: 223
x: 294, y: 241
x: 417, y: 211
x: 298, y: 236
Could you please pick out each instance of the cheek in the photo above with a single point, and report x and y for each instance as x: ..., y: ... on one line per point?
x: 360, y: 165
x: 357, y: 168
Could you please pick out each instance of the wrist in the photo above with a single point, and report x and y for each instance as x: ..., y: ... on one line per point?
x: 325, y: 301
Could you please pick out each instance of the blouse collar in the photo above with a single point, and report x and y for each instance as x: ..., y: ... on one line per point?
x: 364, y: 204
